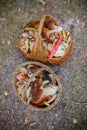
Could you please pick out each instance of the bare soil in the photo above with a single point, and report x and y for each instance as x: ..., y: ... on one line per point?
x: 71, y: 111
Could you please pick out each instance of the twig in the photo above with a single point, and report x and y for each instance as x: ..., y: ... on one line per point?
x: 79, y: 102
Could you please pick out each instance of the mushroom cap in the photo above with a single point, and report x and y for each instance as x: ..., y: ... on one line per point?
x: 37, y: 92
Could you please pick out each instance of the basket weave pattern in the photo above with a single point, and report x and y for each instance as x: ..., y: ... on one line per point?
x: 38, y: 53
x: 41, y: 68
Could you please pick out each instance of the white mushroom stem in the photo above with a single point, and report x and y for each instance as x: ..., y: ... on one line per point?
x: 52, y: 99
x: 47, y: 103
x: 69, y: 38
x: 29, y: 66
x: 28, y: 92
x: 29, y: 99
x: 20, y: 89
x: 45, y: 83
x: 18, y: 78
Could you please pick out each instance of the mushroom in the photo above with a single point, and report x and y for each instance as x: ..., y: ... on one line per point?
x: 24, y: 35
x: 45, y: 32
x: 23, y: 70
x: 60, y: 51
x: 23, y: 45
x: 50, y: 25
x: 50, y: 90
x: 41, y: 95
x: 28, y: 91
x: 36, y: 92
x: 47, y: 103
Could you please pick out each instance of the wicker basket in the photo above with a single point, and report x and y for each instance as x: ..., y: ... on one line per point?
x: 38, y: 53
x: 39, y: 68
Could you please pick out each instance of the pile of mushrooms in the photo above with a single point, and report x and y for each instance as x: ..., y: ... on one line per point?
x: 50, y: 35
x: 36, y: 85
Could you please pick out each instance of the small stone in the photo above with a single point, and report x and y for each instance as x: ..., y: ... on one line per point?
x: 77, y: 20
x: 74, y: 121
x: 6, y: 93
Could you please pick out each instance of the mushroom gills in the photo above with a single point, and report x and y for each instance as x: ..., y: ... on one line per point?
x: 50, y: 90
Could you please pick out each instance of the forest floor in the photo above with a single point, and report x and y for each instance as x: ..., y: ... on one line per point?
x: 71, y: 111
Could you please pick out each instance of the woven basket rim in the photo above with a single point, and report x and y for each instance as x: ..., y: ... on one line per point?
x: 70, y: 44
x: 31, y: 106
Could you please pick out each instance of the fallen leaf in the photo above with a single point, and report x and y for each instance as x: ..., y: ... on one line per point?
x: 32, y: 124
x: 43, y: 2
x: 27, y: 120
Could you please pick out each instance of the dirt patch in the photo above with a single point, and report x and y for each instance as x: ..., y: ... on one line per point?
x: 70, y: 113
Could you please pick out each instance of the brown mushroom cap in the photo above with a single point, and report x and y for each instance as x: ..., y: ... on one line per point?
x: 37, y: 94
x: 45, y: 32
x: 43, y: 99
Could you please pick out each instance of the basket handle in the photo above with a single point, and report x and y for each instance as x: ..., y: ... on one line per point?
x: 41, y: 24
x: 40, y: 28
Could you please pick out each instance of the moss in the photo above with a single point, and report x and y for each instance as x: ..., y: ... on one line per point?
x: 79, y: 96
x: 80, y: 114
x: 78, y: 81
x: 33, y: 1
x: 3, y: 50
x: 7, y: 5
x: 6, y: 49
x: 33, y: 19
